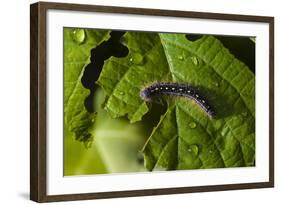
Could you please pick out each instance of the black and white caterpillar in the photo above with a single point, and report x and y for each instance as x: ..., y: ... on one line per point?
x: 176, y: 89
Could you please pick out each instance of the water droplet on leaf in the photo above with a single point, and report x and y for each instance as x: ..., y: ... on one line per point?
x: 194, y: 149
x: 180, y: 57
x: 195, y: 60
x: 192, y: 125
x: 79, y: 35
x: 137, y: 59
x: 217, y: 84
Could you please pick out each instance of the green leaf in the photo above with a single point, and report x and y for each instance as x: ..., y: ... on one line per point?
x: 77, y: 46
x: 185, y: 137
x: 122, y: 78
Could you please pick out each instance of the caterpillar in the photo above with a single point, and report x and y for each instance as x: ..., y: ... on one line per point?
x: 176, y: 89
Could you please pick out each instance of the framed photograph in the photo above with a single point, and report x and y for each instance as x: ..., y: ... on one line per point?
x: 133, y: 102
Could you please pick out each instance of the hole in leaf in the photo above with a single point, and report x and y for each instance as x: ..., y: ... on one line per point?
x: 242, y: 48
x: 193, y: 37
x: 111, y: 47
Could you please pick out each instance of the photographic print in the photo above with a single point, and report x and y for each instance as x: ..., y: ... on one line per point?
x: 137, y: 101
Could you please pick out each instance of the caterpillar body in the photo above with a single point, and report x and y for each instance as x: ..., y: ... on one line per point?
x: 176, y: 89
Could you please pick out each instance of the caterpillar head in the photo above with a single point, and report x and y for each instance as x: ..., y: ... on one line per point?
x: 145, y: 94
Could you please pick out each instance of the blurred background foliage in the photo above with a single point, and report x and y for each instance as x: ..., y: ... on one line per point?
x: 115, y: 148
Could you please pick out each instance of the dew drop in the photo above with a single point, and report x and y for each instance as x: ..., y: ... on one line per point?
x: 217, y: 84
x: 195, y: 60
x: 180, y: 57
x: 192, y: 125
x: 137, y: 59
x: 194, y: 149
x: 79, y: 36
